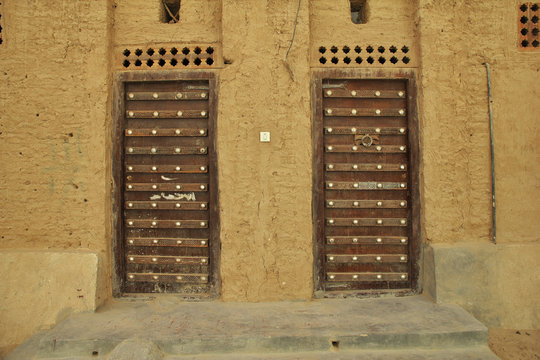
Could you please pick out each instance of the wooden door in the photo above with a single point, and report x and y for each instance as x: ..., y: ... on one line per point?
x: 169, y: 196
x: 363, y: 185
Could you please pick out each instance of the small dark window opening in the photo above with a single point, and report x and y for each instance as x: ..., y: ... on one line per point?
x: 170, y: 11
x: 358, y: 11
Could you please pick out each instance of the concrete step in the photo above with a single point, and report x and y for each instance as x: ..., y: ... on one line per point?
x: 328, y: 327
x: 469, y: 353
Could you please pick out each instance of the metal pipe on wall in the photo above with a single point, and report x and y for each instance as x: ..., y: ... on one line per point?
x: 493, y: 212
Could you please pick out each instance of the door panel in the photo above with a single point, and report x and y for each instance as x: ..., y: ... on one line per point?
x: 364, y: 216
x: 169, y: 199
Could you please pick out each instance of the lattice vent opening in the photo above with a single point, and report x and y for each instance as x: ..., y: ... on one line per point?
x: 372, y: 55
x: 358, y: 11
x: 527, y: 19
x: 170, y: 11
x: 167, y: 57
x: 1, y: 24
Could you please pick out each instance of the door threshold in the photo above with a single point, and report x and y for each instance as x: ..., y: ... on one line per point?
x: 364, y: 293
x: 153, y: 296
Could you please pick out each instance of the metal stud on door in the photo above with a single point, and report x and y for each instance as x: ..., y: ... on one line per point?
x: 365, y: 225
x: 167, y: 195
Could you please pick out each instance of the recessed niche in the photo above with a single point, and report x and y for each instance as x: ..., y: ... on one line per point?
x: 170, y: 11
x: 358, y: 11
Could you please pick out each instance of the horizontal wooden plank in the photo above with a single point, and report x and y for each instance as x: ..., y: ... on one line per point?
x: 365, y: 167
x: 364, y: 93
x: 169, y: 278
x: 346, y: 130
x: 156, y: 132
x: 166, y: 150
x: 167, y: 169
x: 166, y: 260
x: 175, y: 242
x: 363, y: 258
x: 166, y: 114
x: 369, y: 185
x: 167, y: 205
x: 366, y: 222
x: 386, y: 276
x: 166, y: 224
x: 365, y: 149
x: 363, y: 112
x: 166, y: 95
x: 166, y: 187
x: 367, y: 240
x: 366, y: 204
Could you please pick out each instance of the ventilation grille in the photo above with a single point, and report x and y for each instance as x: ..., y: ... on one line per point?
x: 168, y: 57
x: 364, y: 56
x: 1, y: 24
x: 527, y: 19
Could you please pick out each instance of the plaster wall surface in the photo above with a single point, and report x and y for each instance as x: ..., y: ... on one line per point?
x: 265, y: 188
x: 53, y: 99
x: 457, y: 37
x: 30, y: 300
x: 140, y: 22
x: 387, y: 21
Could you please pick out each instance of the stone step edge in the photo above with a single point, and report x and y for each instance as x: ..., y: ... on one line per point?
x: 57, y: 348
x: 476, y: 352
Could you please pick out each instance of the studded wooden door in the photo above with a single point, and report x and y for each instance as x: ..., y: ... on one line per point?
x: 169, y: 199
x: 363, y: 178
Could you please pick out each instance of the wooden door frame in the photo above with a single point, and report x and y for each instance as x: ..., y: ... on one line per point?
x: 117, y: 109
x: 409, y: 75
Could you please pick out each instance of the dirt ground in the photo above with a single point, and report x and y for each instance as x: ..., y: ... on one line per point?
x: 509, y: 344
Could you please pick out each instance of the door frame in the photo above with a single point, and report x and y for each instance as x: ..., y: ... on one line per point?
x: 117, y: 183
x: 410, y: 76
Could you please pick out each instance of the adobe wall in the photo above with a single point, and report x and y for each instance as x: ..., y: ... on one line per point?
x: 54, y: 92
x: 387, y: 22
x: 55, y: 220
x: 499, y: 284
x: 265, y: 188
x: 53, y: 128
x: 456, y: 38
x: 140, y: 22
